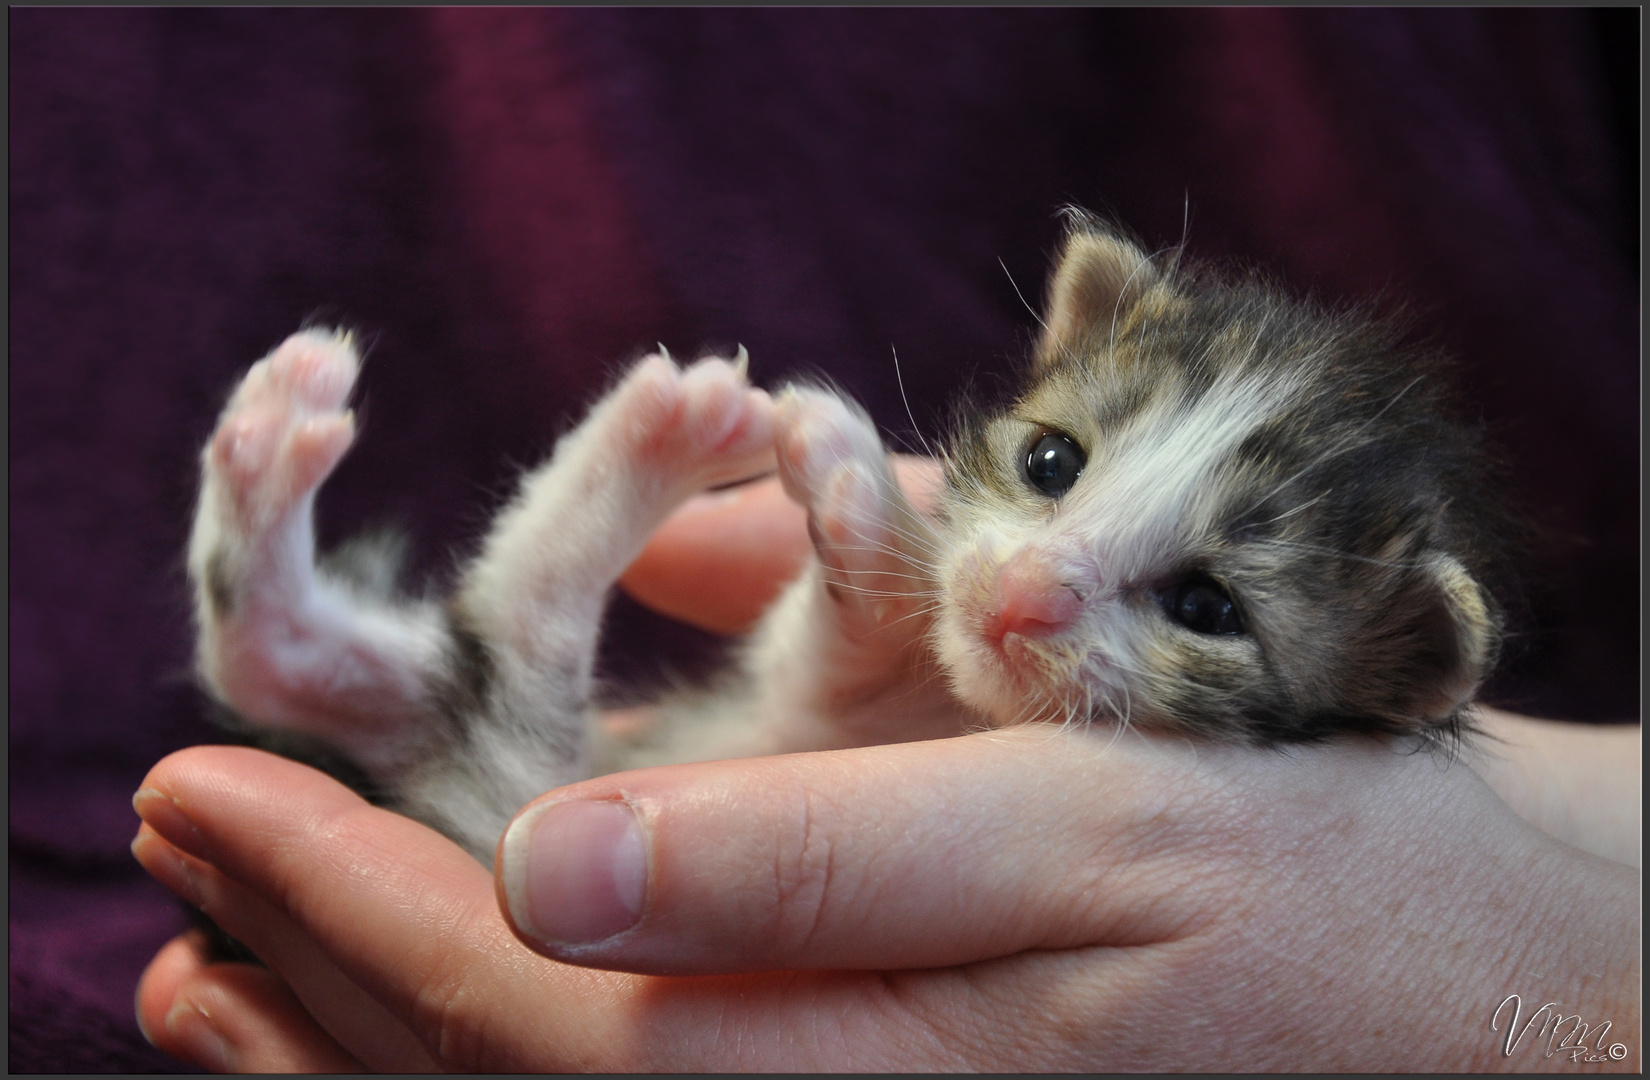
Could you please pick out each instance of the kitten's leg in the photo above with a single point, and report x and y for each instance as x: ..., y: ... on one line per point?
x: 286, y: 646
x: 841, y: 659
x: 532, y: 601
x: 874, y: 549
x: 866, y: 607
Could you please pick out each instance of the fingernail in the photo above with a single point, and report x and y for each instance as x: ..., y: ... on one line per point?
x: 161, y: 813
x: 137, y: 1011
x: 198, y: 1039
x: 166, y: 866
x: 575, y: 873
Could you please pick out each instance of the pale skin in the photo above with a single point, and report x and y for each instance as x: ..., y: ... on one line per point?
x: 1012, y: 900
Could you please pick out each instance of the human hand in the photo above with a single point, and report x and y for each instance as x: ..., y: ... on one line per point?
x: 1580, y: 783
x: 720, y: 561
x: 1179, y: 907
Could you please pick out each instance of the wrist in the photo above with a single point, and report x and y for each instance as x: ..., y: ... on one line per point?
x: 1577, y: 783
x: 1567, y: 939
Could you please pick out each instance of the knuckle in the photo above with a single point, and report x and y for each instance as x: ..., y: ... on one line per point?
x: 805, y: 878
x: 446, y: 1007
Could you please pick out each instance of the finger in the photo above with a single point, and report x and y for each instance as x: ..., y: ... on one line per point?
x: 379, y: 897
x: 381, y: 926
x: 902, y: 856
x: 176, y: 962
x: 721, y: 559
x: 349, y: 1015
x: 231, y: 1017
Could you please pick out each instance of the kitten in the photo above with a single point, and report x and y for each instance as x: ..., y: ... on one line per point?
x: 1213, y: 510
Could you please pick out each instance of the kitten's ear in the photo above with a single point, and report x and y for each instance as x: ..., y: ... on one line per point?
x: 1099, y: 277
x: 1460, y: 638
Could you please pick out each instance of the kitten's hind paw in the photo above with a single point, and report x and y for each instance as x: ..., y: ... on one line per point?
x: 284, y: 430
x: 285, y: 647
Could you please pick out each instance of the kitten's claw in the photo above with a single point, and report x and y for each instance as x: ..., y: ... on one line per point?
x: 699, y: 426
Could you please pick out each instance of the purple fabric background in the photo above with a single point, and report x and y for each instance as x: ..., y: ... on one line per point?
x: 510, y: 202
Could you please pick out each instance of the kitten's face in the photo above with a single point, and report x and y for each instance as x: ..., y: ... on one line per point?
x: 1089, y: 571
x: 1199, y: 517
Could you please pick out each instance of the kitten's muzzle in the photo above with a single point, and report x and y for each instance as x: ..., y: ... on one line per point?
x: 1035, y: 597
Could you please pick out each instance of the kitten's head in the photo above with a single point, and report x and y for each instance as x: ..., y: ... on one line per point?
x: 1218, y: 510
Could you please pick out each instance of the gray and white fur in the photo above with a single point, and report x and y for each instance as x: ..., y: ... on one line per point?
x: 1213, y: 510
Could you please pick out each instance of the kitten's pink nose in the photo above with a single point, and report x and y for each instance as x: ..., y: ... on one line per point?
x: 1032, y: 600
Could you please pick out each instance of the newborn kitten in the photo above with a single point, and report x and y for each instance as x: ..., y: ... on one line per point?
x: 1213, y: 510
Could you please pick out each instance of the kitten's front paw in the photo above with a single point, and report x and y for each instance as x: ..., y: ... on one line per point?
x: 284, y: 430
x: 698, y: 426
x: 659, y: 437
x: 875, y: 550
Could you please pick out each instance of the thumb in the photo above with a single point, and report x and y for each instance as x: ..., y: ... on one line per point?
x: 903, y: 856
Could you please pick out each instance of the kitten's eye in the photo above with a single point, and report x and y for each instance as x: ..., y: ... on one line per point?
x: 1201, y: 605
x: 1054, y: 464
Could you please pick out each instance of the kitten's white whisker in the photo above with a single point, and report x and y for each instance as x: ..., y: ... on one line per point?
x: 917, y: 614
x: 882, y: 549
x: 902, y: 534
x: 1344, y: 445
x: 1021, y: 295
x: 869, y: 543
x: 886, y: 594
x: 906, y: 401
x: 1117, y: 305
x: 1318, y: 549
x: 1307, y: 505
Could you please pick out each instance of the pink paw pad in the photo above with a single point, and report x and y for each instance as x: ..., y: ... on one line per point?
x: 314, y: 447
x: 832, y: 461
x: 285, y: 428
x: 717, y: 406
x: 818, y: 434
x: 704, y: 422
x: 243, y: 442
x: 848, y: 512
x: 316, y: 372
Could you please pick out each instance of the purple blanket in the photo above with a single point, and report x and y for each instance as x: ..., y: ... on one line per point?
x: 510, y: 202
